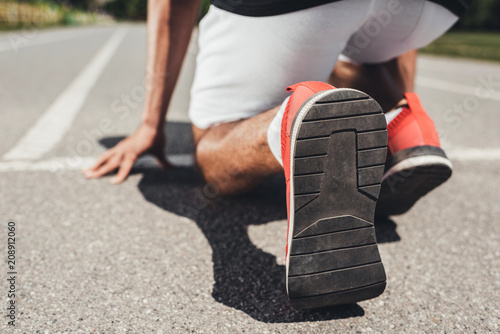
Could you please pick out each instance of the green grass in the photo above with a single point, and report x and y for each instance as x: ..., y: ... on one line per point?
x: 478, y: 45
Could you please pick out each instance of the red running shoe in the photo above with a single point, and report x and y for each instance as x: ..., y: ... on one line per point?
x: 416, y: 164
x: 333, y: 145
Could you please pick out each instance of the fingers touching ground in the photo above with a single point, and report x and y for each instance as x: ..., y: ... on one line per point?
x: 91, y: 171
x: 125, y: 167
x: 109, y: 161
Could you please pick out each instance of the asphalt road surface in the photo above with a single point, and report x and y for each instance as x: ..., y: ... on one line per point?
x: 161, y: 253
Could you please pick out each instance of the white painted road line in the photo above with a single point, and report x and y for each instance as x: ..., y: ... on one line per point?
x: 52, y: 165
x: 57, y: 119
x: 474, y: 154
x: 452, y: 87
x: 79, y: 163
x: 187, y: 160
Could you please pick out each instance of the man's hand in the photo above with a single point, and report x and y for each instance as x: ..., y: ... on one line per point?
x: 144, y: 140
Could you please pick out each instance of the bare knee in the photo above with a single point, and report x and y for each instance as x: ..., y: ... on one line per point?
x: 231, y: 158
x: 216, y: 170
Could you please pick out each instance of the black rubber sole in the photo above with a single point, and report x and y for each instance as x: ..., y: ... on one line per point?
x: 338, y: 164
x: 403, y: 188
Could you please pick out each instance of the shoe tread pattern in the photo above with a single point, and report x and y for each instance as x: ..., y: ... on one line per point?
x: 339, y: 162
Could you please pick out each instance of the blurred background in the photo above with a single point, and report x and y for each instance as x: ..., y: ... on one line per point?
x: 476, y: 35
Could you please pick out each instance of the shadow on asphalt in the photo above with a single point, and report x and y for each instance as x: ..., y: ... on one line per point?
x: 246, y: 278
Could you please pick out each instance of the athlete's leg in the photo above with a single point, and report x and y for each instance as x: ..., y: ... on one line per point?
x: 385, y: 82
x: 416, y: 163
x: 235, y: 156
x: 402, y: 70
x: 382, y: 51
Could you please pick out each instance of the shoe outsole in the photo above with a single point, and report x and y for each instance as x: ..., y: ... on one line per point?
x: 338, y: 142
x: 421, y: 171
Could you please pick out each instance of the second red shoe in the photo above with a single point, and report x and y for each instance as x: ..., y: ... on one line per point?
x: 416, y: 163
